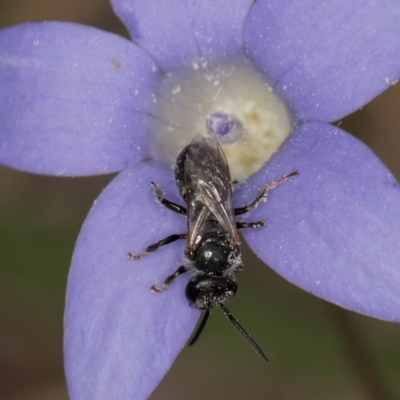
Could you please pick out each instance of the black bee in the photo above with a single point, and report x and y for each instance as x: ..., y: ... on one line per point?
x: 212, y: 250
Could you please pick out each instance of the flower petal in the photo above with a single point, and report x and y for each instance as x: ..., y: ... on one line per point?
x: 185, y: 30
x: 72, y: 100
x: 327, y: 59
x: 333, y: 230
x: 120, y: 337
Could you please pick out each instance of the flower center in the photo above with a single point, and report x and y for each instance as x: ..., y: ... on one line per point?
x: 231, y: 102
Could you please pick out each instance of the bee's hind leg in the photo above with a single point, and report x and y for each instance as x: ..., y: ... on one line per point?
x: 254, y: 225
x: 167, y: 203
x: 262, y: 192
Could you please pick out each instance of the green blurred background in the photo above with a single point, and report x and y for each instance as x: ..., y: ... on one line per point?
x: 317, y: 350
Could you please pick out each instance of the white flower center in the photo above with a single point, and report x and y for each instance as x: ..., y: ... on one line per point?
x: 231, y: 102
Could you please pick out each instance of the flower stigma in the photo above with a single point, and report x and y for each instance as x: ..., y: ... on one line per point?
x: 232, y: 103
x: 225, y: 127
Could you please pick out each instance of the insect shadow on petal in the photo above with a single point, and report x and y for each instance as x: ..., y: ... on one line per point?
x: 212, y: 249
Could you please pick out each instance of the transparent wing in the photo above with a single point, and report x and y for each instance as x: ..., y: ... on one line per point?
x: 208, y: 189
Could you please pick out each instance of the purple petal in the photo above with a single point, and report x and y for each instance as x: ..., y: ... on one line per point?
x: 333, y: 230
x: 176, y: 33
x: 121, y: 338
x: 72, y: 99
x: 327, y: 59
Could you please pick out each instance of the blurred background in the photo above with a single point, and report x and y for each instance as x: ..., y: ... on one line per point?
x: 317, y: 350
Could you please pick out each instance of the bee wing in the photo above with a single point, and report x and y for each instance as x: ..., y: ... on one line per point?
x: 208, y: 189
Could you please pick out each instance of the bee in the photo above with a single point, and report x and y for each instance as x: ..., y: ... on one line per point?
x: 212, y: 250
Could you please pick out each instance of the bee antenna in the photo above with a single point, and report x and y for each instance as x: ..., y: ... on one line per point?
x: 200, y: 328
x: 239, y: 327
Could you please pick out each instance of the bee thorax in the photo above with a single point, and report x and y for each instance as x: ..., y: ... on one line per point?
x: 215, y: 254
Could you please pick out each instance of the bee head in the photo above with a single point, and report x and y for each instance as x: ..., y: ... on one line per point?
x: 205, y: 292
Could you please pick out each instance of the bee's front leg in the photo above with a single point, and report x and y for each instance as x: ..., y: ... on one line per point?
x: 182, y: 269
x: 155, y: 246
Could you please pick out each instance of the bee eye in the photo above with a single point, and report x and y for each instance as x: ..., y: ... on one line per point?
x: 190, y: 254
x: 192, y: 292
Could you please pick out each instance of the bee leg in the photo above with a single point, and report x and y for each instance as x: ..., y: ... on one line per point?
x: 167, y: 203
x: 262, y: 192
x: 155, y: 246
x: 255, y: 225
x: 182, y: 269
